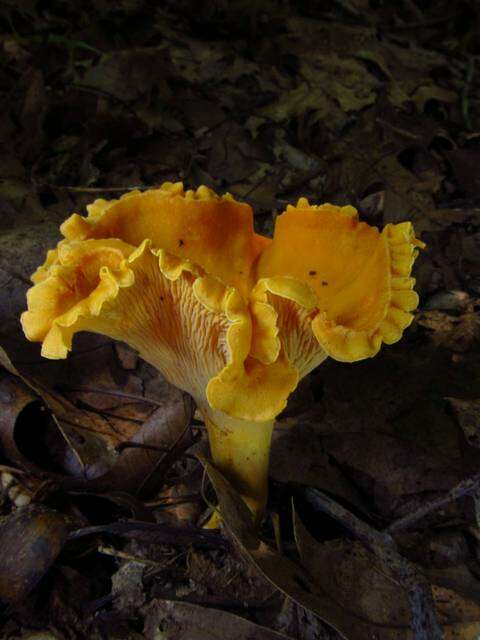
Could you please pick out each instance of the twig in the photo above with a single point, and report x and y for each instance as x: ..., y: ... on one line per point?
x: 13, y: 470
x: 140, y: 445
x: 464, y: 488
x: 178, y: 448
x: 97, y: 189
x: 422, y: 23
x: 295, y: 186
x: 116, y: 553
x: 151, y: 573
x: 171, y: 501
x: 464, y: 96
x: 256, y: 185
x: 110, y: 392
x: 424, y: 623
x: 156, y: 534
x: 149, y: 447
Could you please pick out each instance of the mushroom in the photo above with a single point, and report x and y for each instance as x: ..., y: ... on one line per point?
x: 234, y: 318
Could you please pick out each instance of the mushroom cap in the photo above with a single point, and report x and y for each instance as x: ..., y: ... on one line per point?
x: 354, y: 280
x: 232, y: 317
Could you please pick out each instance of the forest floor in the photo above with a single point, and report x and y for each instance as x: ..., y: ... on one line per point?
x: 362, y: 102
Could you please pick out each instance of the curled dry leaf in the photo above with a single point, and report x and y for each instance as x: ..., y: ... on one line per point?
x: 14, y: 398
x: 26, y: 404
x: 88, y: 455
x: 31, y: 539
x: 162, y: 438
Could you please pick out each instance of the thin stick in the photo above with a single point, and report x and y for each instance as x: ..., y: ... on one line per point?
x: 111, y: 551
x: 464, y: 488
x: 140, y: 445
x: 111, y: 392
x: 13, y: 470
x: 169, y: 501
x: 156, y: 534
x: 150, y: 573
x: 176, y: 450
x: 98, y: 189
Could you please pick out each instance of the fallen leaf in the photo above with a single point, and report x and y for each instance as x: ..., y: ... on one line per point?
x: 226, y: 578
x: 456, y: 333
x: 297, y: 439
x: 163, y: 435
x: 15, y: 398
x: 160, y: 440
x: 459, y: 615
x: 127, y: 587
x: 295, y: 581
x: 129, y: 74
x: 302, y: 624
x: 467, y: 413
x: 184, y: 621
x: 31, y: 539
x: 357, y: 581
x: 463, y: 631
x: 25, y: 403
x: 330, y: 86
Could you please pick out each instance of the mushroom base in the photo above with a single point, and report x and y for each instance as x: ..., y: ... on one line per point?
x: 241, y: 450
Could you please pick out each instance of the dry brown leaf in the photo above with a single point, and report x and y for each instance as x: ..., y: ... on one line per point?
x: 459, y: 615
x: 165, y: 431
x: 467, y: 413
x: 295, y: 581
x: 31, y: 539
x: 296, y: 440
x: 330, y: 86
x: 357, y: 581
x: 184, y: 621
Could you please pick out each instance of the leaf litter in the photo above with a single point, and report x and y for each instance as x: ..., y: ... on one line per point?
x: 356, y: 102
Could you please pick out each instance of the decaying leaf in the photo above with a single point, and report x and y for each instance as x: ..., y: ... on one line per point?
x: 297, y: 439
x: 30, y: 539
x: 184, y: 621
x: 459, y: 615
x: 467, y: 413
x: 20, y: 394
x: 330, y: 85
x: 163, y: 434
x: 358, y: 582
x: 153, y: 449
x: 302, y: 583
x: 15, y: 398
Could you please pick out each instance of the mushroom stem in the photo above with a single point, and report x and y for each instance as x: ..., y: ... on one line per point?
x: 241, y: 450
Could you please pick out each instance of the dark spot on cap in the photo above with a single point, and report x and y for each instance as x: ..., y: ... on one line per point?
x: 324, y: 283
x: 181, y: 243
x: 162, y: 298
x: 312, y: 273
